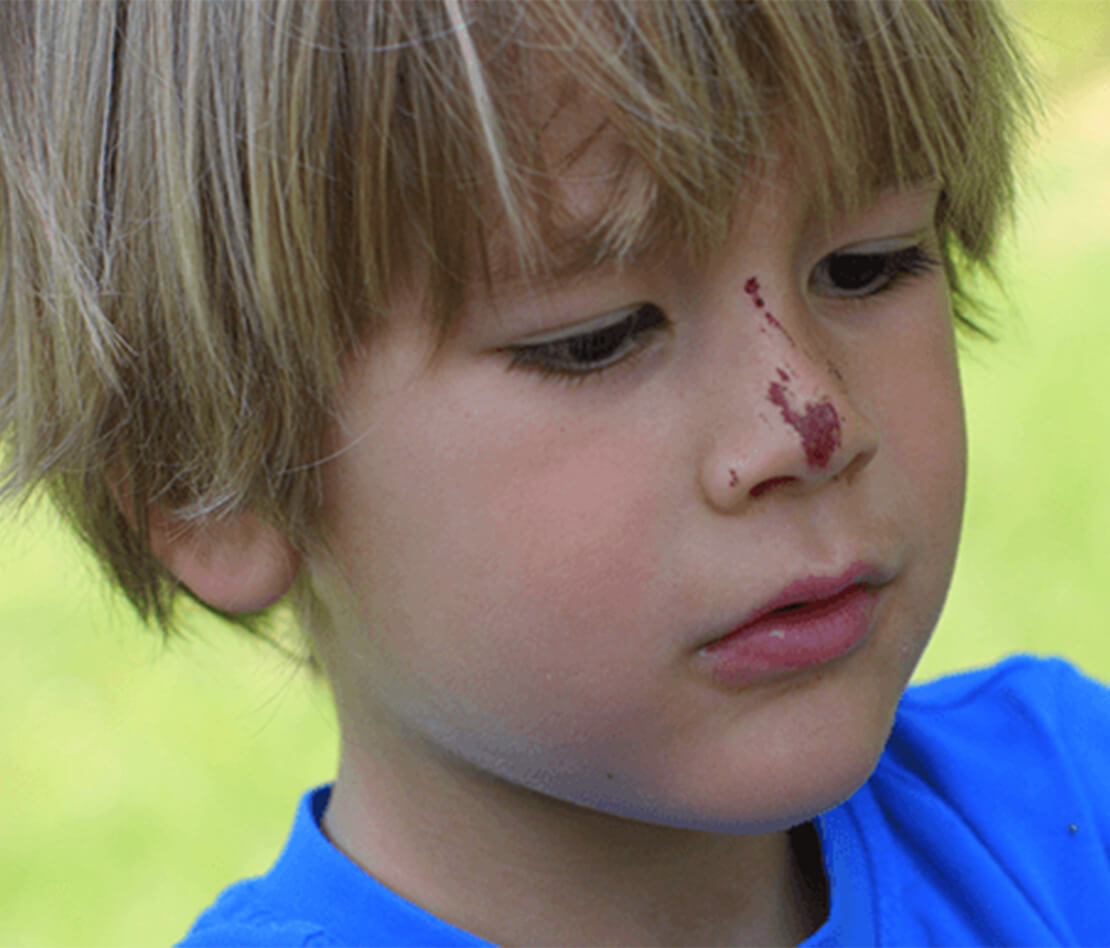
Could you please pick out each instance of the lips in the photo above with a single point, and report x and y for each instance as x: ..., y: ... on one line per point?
x: 811, y: 621
x: 810, y: 594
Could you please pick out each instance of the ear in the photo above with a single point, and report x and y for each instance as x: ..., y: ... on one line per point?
x: 237, y: 564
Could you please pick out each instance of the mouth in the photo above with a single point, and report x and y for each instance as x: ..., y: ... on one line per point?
x: 811, y: 593
x: 811, y: 621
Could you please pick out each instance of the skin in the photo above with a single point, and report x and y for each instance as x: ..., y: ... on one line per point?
x: 521, y: 573
x: 532, y: 747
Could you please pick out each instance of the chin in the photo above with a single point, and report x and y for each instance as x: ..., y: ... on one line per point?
x: 763, y: 793
x: 810, y: 763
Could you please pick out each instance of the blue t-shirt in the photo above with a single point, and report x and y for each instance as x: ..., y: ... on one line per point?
x: 986, y: 822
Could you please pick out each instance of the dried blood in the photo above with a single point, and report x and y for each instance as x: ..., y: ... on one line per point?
x: 818, y: 425
x: 769, y: 316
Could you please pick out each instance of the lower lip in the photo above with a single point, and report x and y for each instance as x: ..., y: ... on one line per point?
x: 800, y: 638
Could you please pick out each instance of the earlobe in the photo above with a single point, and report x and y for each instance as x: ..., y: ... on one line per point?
x: 239, y: 564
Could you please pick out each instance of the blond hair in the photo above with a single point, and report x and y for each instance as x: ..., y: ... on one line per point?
x: 207, y: 206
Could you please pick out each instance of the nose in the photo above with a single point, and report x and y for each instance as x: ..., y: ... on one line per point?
x: 798, y: 426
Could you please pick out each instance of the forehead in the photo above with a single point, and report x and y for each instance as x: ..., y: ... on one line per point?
x: 584, y: 178
x: 599, y: 194
x: 603, y: 202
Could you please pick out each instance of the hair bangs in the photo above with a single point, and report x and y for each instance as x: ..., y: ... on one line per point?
x: 209, y: 206
x: 691, y: 104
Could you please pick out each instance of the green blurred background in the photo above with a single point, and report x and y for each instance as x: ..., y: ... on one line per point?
x: 137, y: 780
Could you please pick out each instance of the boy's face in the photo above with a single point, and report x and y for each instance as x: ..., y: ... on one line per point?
x: 538, y: 560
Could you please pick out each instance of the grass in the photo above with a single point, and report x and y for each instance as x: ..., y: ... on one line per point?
x: 117, y: 752
x: 138, y: 780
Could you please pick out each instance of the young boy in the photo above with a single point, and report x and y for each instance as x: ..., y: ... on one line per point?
x: 585, y: 376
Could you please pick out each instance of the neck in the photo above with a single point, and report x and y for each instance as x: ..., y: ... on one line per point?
x: 517, y: 867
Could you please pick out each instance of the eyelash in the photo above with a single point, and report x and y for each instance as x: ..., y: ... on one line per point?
x: 892, y: 268
x: 615, y: 345
x: 576, y: 358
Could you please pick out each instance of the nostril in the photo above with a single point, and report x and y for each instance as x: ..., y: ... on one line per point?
x: 763, y: 486
x: 857, y: 464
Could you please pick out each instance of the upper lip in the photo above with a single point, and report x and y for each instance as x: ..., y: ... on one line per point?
x: 811, y: 589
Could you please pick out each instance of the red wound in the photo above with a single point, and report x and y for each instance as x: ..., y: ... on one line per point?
x: 780, y: 327
x: 751, y: 287
x: 818, y: 427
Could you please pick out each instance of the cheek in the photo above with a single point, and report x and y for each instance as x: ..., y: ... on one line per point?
x: 916, y: 401
x: 510, y: 615
x: 575, y: 536
x: 509, y: 578
x: 924, y: 443
x: 934, y: 439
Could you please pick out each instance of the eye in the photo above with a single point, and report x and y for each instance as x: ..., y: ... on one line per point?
x: 866, y: 272
x: 617, y: 337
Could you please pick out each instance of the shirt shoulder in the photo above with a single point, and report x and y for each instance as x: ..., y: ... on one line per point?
x: 1042, y: 716
x: 314, y: 895
x: 994, y: 817
x: 241, y: 917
